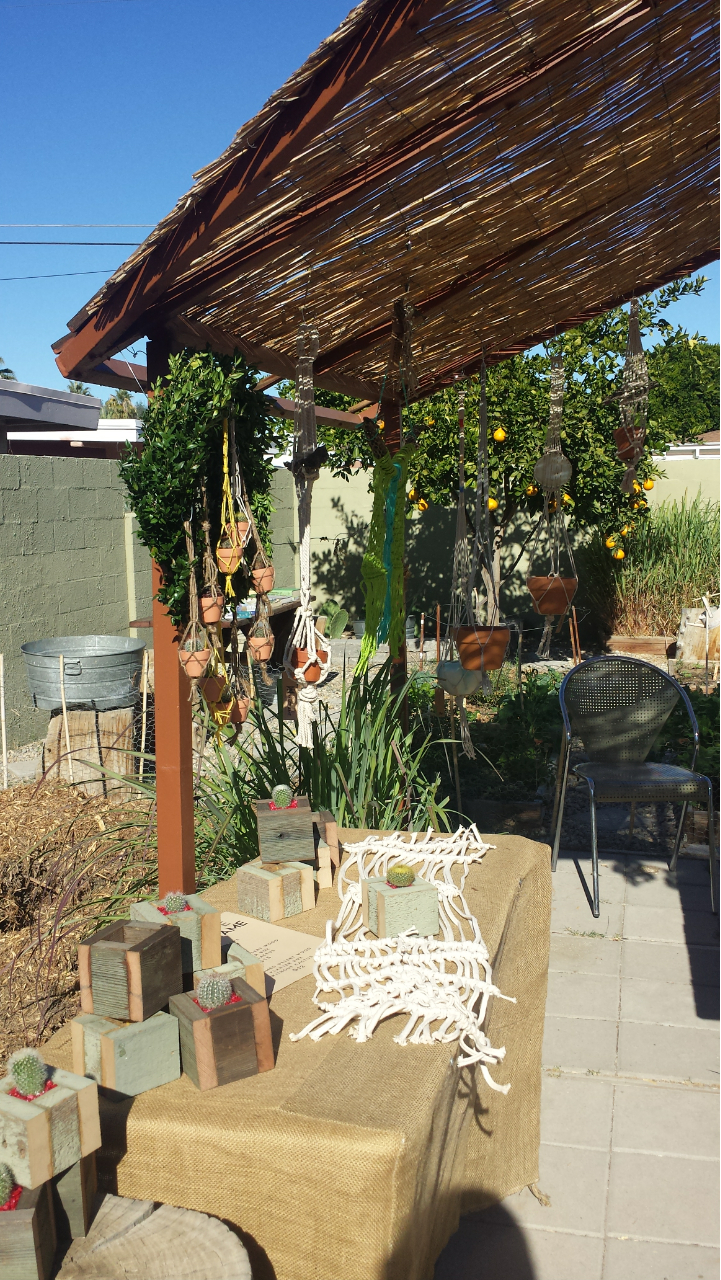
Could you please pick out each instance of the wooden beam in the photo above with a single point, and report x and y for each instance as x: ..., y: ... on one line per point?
x: 368, y: 46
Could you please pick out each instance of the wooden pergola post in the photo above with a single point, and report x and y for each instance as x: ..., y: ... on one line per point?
x: 173, y: 725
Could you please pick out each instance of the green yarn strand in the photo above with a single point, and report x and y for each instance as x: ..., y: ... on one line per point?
x: 375, y: 575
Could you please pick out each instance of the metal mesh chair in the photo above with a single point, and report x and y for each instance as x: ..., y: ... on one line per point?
x: 618, y: 706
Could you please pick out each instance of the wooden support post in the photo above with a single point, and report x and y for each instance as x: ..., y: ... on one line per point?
x: 173, y: 725
x: 393, y: 438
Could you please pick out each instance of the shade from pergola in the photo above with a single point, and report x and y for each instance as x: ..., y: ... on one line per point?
x: 509, y: 167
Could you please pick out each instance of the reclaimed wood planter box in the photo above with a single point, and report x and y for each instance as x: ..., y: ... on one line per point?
x: 238, y: 963
x: 199, y: 930
x: 46, y: 1136
x: 74, y: 1194
x: 130, y: 1057
x: 269, y: 894
x: 286, y: 835
x: 388, y: 911
x: 225, y: 1044
x: 129, y: 971
x: 654, y: 646
x: 28, y: 1238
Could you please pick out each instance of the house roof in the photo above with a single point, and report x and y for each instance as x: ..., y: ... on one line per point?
x: 507, y: 167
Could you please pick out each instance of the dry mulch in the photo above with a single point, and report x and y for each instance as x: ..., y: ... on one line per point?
x: 68, y: 864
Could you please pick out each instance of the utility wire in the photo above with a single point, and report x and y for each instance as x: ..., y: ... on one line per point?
x: 55, y: 275
x: 105, y: 244
x: 105, y: 225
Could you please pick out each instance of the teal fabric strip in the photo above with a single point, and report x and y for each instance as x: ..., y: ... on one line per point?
x: 391, y: 500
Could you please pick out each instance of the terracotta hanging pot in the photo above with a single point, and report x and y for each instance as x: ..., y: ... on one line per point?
x: 194, y: 661
x: 263, y: 579
x: 212, y: 688
x: 552, y: 594
x: 228, y: 558
x: 242, y: 527
x: 454, y: 679
x: 313, y: 673
x: 481, y: 648
x: 211, y: 607
x: 239, y: 710
x: 261, y: 647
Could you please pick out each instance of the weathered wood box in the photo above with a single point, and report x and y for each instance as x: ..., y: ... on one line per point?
x: 74, y: 1194
x: 388, y: 911
x: 129, y: 970
x: 130, y: 1057
x: 225, y: 1044
x: 285, y: 835
x: 28, y: 1239
x: 269, y: 894
x: 199, y: 930
x: 238, y: 963
x: 46, y: 1136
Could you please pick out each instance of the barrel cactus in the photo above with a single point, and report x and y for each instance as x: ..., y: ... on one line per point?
x: 214, y: 991
x: 281, y: 796
x: 400, y: 876
x: 174, y: 902
x: 7, y: 1183
x: 29, y: 1072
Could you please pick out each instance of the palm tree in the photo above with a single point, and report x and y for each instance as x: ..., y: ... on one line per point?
x: 79, y: 388
x: 5, y: 372
x: 120, y: 405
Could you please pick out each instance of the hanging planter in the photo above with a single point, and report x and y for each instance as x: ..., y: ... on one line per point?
x: 211, y: 604
x: 261, y: 647
x: 213, y: 687
x: 239, y: 708
x: 456, y: 680
x: 194, y: 660
x: 314, y: 670
x: 263, y: 578
x: 481, y: 648
x: 551, y: 593
x: 228, y: 556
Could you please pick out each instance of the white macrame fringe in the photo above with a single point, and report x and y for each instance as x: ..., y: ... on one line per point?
x: 443, y: 986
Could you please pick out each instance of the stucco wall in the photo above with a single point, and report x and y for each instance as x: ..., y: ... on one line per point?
x: 63, y: 566
x: 687, y: 476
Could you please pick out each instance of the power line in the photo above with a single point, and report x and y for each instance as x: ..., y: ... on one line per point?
x: 55, y: 275
x: 126, y: 226
x: 105, y: 244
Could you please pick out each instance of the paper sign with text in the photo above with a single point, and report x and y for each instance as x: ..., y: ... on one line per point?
x: 285, y: 954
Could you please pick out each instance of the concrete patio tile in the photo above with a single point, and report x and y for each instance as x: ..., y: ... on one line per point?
x: 565, y: 881
x: 580, y: 1044
x: 577, y: 1110
x: 576, y: 918
x: 663, y: 891
x: 670, y: 963
x: 668, y: 1053
x: 583, y: 995
x: 667, y: 1121
x: 664, y: 1197
x: 571, y: 954
x: 673, y: 1003
x: 575, y: 1180
x: 482, y: 1251
x: 646, y: 1260
x: 671, y: 924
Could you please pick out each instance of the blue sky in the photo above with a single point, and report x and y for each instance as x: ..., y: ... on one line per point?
x: 108, y: 107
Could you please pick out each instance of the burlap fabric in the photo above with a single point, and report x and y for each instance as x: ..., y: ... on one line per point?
x: 348, y: 1161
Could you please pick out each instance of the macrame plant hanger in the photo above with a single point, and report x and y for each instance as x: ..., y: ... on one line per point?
x: 632, y: 401
x: 307, y: 653
x: 261, y: 641
x: 552, y: 594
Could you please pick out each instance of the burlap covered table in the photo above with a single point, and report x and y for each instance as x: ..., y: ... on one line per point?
x: 348, y: 1161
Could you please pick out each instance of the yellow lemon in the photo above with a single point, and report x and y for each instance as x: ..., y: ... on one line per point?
x: 429, y: 422
x: 636, y: 487
x: 567, y: 498
x: 619, y: 553
x: 610, y: 541
x: 648, y: 484
x: 381, y: 425
x: 531, y: 490
x: 624, y: 531
x: 499, y: 435
x: 422, y: 505
x: 492, y: 504
x: 413, y: 495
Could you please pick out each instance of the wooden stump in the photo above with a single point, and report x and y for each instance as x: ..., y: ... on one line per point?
x: 129, y: 1238
x: 98, y: 739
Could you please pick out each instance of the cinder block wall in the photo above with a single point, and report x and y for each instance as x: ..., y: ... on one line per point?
x: 64, y: 552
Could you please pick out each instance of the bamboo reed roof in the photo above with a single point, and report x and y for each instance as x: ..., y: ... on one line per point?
x: 511, y: 167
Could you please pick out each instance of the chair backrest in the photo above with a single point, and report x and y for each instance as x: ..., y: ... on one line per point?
x: 618, y: 706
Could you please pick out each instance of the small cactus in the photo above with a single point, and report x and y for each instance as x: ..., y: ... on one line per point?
x: 7, y: 1183
x: 281, y: 796
x: 174, y: 902
x: 400, y: 876
x: 214, y: 991
x: 29, y: 1072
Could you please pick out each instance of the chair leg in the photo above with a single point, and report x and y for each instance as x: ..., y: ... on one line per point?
x: 679, y: 834
x: 711, y: 846
x: 596, y: 908
x: 560, y: 802
x: 632, y: 818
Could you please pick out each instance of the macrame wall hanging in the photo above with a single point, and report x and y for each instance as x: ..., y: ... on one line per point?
x: 382, y: 567
x: 632, y: 401
x: 552, y: 592
x: 307, y: 653
x: 442, y: 986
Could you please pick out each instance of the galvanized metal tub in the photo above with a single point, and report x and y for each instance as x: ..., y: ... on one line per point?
x: 101, y: 672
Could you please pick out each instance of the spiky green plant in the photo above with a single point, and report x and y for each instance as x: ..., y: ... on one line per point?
x: 400, y: 876
x: 7, y: 1183
x: 214, y: 991
x: 29, y: 1072
x: 281, y: 796
x: 174, y: 902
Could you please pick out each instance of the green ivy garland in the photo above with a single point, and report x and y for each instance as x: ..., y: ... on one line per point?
x: 182, y: 448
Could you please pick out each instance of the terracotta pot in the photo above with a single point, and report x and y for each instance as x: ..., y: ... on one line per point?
x: 212, y: 688
x: 313, y: 674
x: 481, y: 648
x: 552, y: 594
x: 211, y: 609
x: 228, y: 558
x: 263, y: 579
x: 242, y: 526
x: 239, y: 710
x: 194, y: 661
x: 261, y: 647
